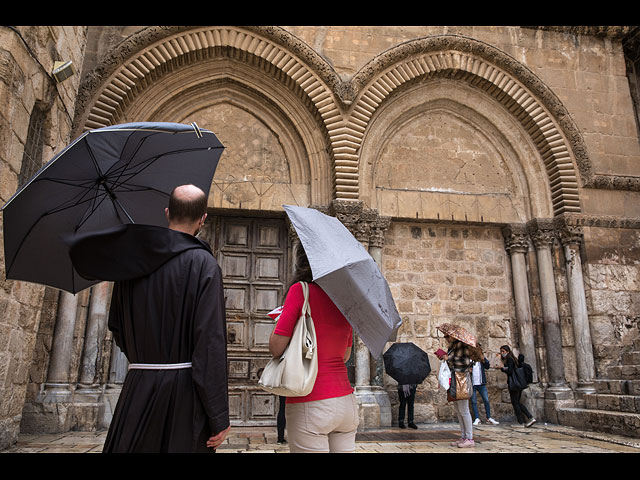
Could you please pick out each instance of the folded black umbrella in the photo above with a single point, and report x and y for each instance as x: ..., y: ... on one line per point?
x: 406, y: 363
x: 115, y: 175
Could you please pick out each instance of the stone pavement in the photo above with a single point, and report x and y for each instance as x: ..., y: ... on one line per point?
x: 429, y: 438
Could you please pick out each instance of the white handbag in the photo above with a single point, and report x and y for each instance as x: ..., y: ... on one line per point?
x: 293, y: 374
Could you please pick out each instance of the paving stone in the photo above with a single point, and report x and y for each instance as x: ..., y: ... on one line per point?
x: 429, y: 438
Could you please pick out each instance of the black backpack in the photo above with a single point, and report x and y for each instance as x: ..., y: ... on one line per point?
x: 528, y: 372
x: 526, y: 369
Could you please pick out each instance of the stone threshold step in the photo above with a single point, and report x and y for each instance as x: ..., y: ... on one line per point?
x: 617, y: 386
x: 613, y: 402
x: 623, y: 423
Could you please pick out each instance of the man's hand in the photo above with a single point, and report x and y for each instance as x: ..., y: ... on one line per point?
x: 216, y: 440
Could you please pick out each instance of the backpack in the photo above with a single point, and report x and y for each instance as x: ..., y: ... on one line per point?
x: 528, y: 372
x: 522, y: 375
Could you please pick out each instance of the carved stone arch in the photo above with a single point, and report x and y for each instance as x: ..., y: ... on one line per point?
x: 443, y: 150
x: 484, y: 67
x: 143, y: 59
x: 214, y: 82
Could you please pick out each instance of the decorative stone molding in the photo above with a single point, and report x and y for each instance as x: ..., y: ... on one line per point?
x: 603, y: 221
x: 609, y: 31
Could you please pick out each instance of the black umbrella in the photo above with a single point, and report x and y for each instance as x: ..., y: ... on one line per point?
x: 406, y: 363
x: 106, y: 177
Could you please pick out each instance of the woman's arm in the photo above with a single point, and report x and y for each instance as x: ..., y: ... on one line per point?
x: 347, y: 354
x: 278, y: 344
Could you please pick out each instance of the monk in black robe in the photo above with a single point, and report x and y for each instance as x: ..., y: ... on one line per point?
x: 167, y: 315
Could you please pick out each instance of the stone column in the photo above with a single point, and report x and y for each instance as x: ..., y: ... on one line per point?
x: 96, y: 325
x: 118, y: 367
x: 348, y: 212
x: 571, y: 237
x: 374, y: 405
x: 57, y: 387
x: 543, y: 234
x: 517, y: 244
x: 376, y: 243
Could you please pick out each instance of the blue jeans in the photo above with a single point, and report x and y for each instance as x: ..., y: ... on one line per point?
x: 482, y: 389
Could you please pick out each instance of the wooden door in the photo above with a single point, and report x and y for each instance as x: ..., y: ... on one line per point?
x: 253, y: 256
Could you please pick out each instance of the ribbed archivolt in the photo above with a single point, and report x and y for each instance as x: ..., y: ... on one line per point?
x: 135, y: 74
x: 503, y: 87
x: 346, y: 130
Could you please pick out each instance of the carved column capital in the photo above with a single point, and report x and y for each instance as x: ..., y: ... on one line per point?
x: 569, y: 230
x: 542, y: 232
x: 516, y: 238
x: 348, y: 212
x: 570, y: 235
x: 380, y: 225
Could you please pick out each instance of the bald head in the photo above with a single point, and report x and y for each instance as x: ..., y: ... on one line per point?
x: 187, y: 208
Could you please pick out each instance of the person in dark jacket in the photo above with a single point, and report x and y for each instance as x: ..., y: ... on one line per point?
x: 407, y: 397
x: 167, y: 315
x: 479, y: 364
x: 510, y: 363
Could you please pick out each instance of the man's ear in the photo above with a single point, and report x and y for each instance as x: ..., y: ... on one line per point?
x: 166, y: 213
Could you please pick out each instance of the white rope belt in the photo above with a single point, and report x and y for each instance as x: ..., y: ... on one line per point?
x: 159, y: 366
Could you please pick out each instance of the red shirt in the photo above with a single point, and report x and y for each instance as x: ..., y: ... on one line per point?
x: 334, y: 336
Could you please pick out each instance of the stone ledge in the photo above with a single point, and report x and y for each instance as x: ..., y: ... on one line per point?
x: 613, y: 402
x: 620, y: 423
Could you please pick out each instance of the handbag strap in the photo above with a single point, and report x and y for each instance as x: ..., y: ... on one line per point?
x: 306, y: 308
x: 306, y: 311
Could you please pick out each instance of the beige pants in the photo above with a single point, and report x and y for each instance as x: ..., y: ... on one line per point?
x: 322, y: 425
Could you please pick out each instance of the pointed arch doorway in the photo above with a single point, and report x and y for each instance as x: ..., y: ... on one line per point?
x: 275, y: 153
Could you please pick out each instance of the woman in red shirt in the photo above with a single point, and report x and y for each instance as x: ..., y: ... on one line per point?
x: 326, y: 420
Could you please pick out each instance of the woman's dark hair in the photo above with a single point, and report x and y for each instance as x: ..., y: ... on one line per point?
x: 302, y: 271
x: 509, y: 353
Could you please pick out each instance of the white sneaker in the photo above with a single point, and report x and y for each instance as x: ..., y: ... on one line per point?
x: 530, y: 422
x: 495, y: 422
x: 476, y: 421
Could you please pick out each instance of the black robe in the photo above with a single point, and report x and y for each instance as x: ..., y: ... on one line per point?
x: 167, y: 307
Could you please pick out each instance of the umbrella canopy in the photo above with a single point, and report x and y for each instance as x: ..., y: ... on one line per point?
x: 458, y: 333
x: 348, y: 274
x: 106, y: 177
x: 406, y: 363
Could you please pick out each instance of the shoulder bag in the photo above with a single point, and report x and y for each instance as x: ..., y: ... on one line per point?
x: 461, y: 386
x: 293, y: 374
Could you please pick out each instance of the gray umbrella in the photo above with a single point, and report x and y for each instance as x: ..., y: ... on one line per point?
x: 349, y: 275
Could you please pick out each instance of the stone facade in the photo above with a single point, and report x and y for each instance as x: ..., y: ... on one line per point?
x: 492, y: 172
x: 27, y: 57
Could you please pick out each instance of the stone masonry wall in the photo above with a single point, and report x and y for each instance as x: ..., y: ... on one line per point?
x: 612, y: 283
x: 27, y: 55
x: 450, y: 273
